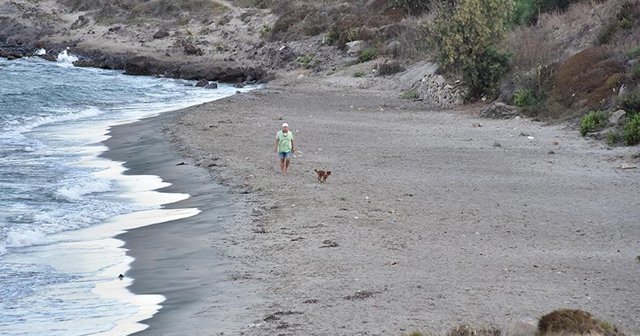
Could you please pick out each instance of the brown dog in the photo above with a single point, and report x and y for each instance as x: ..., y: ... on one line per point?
x: 322, y: 175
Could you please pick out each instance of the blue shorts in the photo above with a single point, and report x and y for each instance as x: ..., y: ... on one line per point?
x: 284, y: 155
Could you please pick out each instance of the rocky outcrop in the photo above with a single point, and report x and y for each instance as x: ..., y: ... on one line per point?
x: 145, y: 66
x: 499, y: 111
x: 162, y: 33
x: 138, y: 65
x: 435, y: 88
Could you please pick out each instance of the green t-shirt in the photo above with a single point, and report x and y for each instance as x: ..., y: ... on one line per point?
x: 285, y: 141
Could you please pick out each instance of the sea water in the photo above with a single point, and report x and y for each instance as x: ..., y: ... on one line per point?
x: 61, y: 204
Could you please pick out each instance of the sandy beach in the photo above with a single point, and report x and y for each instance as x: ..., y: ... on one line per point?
x: 430, y: 218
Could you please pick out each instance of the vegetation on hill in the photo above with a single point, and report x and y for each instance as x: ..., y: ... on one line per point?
x: 554, y: 59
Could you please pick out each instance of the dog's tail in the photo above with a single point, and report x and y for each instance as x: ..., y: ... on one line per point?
x: 315, y: 170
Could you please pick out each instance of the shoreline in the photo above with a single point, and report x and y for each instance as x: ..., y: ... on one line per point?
x: 184, y: 260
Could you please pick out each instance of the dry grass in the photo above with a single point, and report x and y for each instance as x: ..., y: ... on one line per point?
x: 466, y: 330
x: 132, y: 10
x: 587, y: 80
x: 531, y: 47
x: 574, y: 322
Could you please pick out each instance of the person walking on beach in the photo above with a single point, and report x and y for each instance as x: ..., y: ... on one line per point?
x: 284, y: 147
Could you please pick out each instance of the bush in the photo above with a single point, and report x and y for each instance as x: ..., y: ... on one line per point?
x: 630, y: 102
x: 413, y: 7
x: 305, y: 60
x: 367, y: 55
x: 265, y: 32
x: 359, y: 74
x: 634, y: 52
x: 331, y: 36
x: 525, y: 12
x: 465, y: 330
x: 523, y: 98
x: 489, y: 68
x: 574, y: 322
x: 593, y: 121
x: 631, y: 134
x: 411, y: 94
x: 612, y: 138
x: 465, y: 37
x: 554, y: 5
x: 626, y: 18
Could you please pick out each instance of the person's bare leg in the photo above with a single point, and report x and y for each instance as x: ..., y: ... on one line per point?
x: 282, y: 167
x: 286, y: 165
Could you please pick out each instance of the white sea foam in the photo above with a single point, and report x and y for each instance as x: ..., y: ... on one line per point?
x: 74, y: 190
x: 64, y: 116
x: 41, y: 52
x: 65, y: 58
x: 24, y: 238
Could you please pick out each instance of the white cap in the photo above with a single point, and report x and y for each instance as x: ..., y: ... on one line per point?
x: 285, y: 125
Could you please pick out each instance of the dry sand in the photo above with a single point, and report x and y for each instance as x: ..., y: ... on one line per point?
x: 430, y: 218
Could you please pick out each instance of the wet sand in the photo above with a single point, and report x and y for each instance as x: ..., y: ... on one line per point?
x: 189, y: 261
x: 430, y: 218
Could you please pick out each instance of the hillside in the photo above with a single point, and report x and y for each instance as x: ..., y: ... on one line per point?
x: 560, y: 59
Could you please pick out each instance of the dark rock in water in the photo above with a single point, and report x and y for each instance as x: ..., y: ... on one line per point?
x: 188, y: 84
x: 12, y: 53
x: 499, y: 111
x: 49, y: 57
x: 202, y: 83
x: 238, y: 85
x: 162, y: 33
x: 84, y: 63
x: 145, y: 66
x: 212, y: 85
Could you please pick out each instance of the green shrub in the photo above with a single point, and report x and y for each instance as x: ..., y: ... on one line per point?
x: 305, y: 60
x: 331, y: 36
x: 265, y: 31
x: 411, y: 94
x: 630, y: 102
x: 593, y: 121
x: 413, y: 7
x: 353, y: 34
x: 554, y: 5
x: 525, y: 12
x: 634, y: 52
x: 524, y: 98
x: 612, y: 138
x: 484, y: 76
x: 359, y: 74
x: 367, y: 55
x: 631, y: 134
x: 465, y: 37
